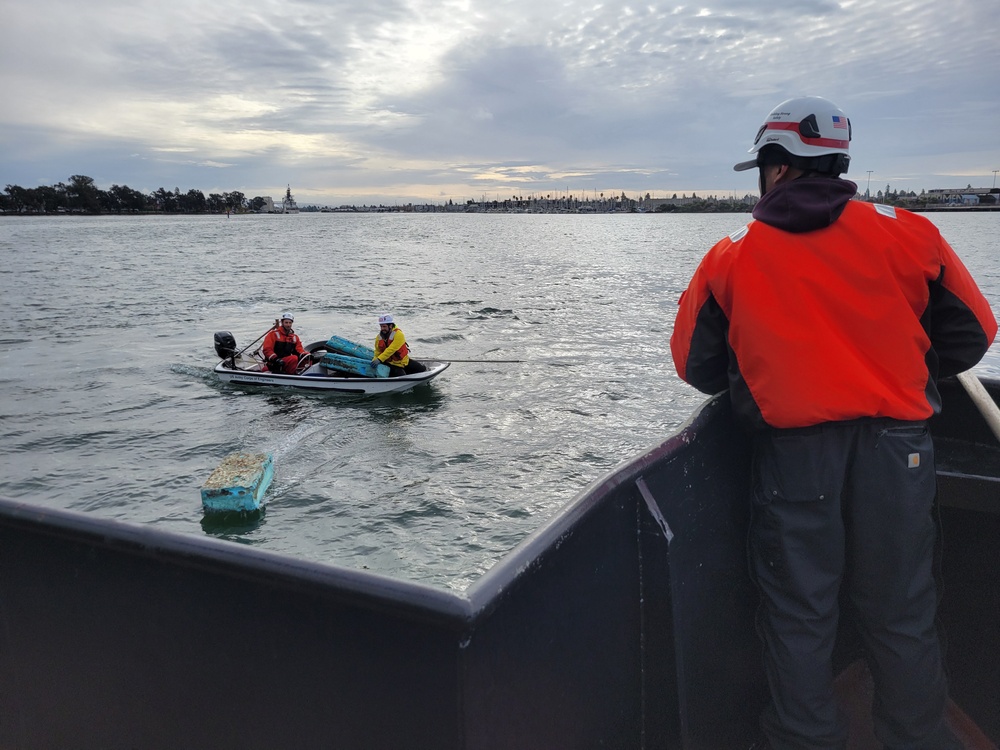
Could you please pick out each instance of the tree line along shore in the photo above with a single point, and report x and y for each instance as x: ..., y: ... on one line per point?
x: 81, y: 196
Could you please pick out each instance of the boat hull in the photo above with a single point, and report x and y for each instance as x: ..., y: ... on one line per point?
x: 316, y: 379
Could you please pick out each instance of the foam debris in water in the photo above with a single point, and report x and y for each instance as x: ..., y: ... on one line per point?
x: 238, y: 483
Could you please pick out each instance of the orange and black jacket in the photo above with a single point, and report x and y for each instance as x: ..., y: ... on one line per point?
x: 826, y: 309
x: 278, y: 343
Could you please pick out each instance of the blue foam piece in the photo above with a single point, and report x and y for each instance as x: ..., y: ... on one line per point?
x: 343, y: 346
x: 238, y: 483
x: 355, y: 365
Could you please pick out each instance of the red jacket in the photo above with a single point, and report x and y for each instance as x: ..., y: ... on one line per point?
x: 277, y: 342
x: 851, y: 310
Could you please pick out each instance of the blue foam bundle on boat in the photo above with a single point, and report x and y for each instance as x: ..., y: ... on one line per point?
x: 238, y: 483
x: 355, y: 365
x: 343, y: 346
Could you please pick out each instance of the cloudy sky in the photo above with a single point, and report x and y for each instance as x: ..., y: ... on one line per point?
x: 431, y: 100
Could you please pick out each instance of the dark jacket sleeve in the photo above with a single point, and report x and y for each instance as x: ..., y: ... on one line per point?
x: 708, y: 357
x: 959, y: 321
x: 699, y: 343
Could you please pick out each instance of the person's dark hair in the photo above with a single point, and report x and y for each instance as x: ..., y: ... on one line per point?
x: 827, y: 165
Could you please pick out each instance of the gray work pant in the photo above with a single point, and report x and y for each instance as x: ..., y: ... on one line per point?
x: 848, y: 503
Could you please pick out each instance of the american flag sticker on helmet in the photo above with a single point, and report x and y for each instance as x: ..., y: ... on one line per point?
x: 839, y: 122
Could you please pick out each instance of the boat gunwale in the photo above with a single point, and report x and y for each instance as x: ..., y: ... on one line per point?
x: 320, y: 382
x: 375, y: 590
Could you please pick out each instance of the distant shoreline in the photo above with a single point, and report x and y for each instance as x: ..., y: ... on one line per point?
x: 429, y: 210
x: 951, y: 209
x: 82, y: 197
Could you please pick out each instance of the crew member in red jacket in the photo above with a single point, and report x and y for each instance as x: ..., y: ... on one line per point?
x: 282, y: 347
x: 830, y: 321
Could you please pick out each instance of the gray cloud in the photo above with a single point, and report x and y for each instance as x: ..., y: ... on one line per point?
x: 417, y: 99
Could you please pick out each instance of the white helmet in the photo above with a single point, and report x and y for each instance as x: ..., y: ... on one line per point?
x: 807, y: 127
x: 385, y: 320
x: 288, y: 316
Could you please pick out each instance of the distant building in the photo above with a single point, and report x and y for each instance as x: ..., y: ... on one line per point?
x: 967, y: 196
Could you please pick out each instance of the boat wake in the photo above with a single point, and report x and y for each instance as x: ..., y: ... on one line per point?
x: 296, y: 436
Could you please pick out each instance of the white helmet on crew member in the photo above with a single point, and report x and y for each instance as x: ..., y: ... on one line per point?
x: 385, y: 320
x: 287, y: 316
x: 814, y: 131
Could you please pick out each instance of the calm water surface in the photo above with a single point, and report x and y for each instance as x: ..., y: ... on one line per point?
x: 110, y: 407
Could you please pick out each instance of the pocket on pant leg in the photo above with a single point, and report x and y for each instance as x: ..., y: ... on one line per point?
x: 800, y: 467
x: 797, y: 523
x: 905, y: 459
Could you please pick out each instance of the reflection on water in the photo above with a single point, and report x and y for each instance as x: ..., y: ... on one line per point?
x: 233, y: 527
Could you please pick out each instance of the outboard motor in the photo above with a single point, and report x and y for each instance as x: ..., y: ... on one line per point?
x: 225, y: 344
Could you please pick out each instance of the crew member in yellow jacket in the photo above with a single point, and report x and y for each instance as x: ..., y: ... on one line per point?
x: 391, y: 349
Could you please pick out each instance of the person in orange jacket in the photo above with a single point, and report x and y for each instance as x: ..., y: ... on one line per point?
x: 830, y: 321
x: 282, y: 347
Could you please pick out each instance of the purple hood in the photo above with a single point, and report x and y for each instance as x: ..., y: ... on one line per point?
x: 805, y: 204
